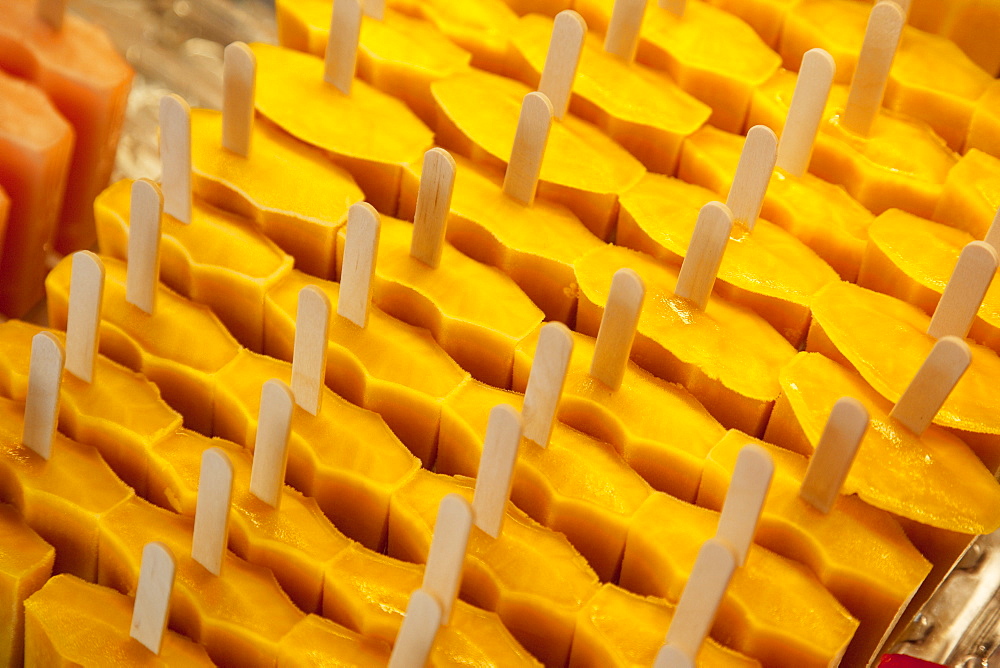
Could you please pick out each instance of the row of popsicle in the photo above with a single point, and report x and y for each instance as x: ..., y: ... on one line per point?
x: 297, y: 541
x: 177, y: 233
x: 64, y: 89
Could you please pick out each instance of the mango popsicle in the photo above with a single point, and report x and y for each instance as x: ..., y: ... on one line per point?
x: 398, y: 54
x: 621, y: 629
x: 584, y: 169
x: 722, y: 73
x: 890, y: 324
x: 479, y: 334
x: 895, y: 470
x: 967, y: 23
x: 985, y: 123
x: 931, y: 78
x: 535, y: 243
x: 681, y: 343
x: 757, y: 618
x: 873, y: 172
x: 290, y: 82
x: 971, y: 195
x: 88, y: 82
x: 25, y: 566
x: 313, y: 641
x: 912, y: 259
x: 37, y: 145
x: 190, y: 255
x: 859, y: 553
x: 71, y: 622
x: 766, y: 17
x: 642, y: 109
x: 667, y: 446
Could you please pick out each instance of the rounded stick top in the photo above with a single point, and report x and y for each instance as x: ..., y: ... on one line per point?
x: 83, y: 321
x: 312, y: 333
x: 211, y: 519
x: 546, y: 382
x: 415, y: 639
x: 962, y: 297
x: 812, y: 88
x: 935, y: 380
x: 834, y: 455
x: 142, y: 274
x: 437, y: 182
x: 239, y: 84
x: 358, y: 273
x: 521, y: 179
x: 270, y: 453
x: 704, y: 254
x: 152, y: 596
x: 41, y: 406
x: 745, y: 499
x: 175, y: 157
x: 753, y: 174
x: 618, y: 327
x: 443, y: 573
x: 568, y: 32
x: 496, y: 469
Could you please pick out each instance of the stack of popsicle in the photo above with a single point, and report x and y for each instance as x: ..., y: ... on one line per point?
x: 560, y: 446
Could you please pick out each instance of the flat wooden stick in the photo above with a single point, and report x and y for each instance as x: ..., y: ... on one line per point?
x: 745, y: 499
x: 41, y: 406
x: 211, y: 518
x: 676, y: 7
x: 546, y: 382
x: 270, y: 452
x: 358, y: 273
x: 834, y: 454
x: 496, y: 469
x: 86, y: 297
x: 375, y: 9
x: 934, y: 381
x: 51, y: 12
x: 905, y: 6
x: 885, y: 27
x: 152, y: 596
x: 699, y: 604
x: 617, y: 330
x: 443, y: 572
x: 239, y: 86
x: 704, y: 254
x: 415, y: 639
x: 622, y: 38
x: 175, y: 156
x: 142, y: 275
x: 437, y: 181
x: 971, y: 278
x: 812, y: 88
x: 993, y: 234
x: 342, y: 46
x: 312, y: 334
x: 565, y: 47
x: 525, y: 165
x: 753, y: 174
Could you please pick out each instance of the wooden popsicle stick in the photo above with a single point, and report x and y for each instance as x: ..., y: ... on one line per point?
x: 753, y: 174
x: 312, y: 334
x: 358, y: 273
x: 545, y: 382
x: 443, y: 572
x: 51, y: 12
x: 565, y: 47
x: 622, y: 38
x: 812, y: 88
x: 375, y: 9
x: 41, y: 406
x: 905, y: 6
x: 211, y: 518
x: 745, y: 499
x: 175, y: 156
x: 677, y: 7
x: 885, y: 27
x: 971, y: 278
x: 525, y: 165
x: 834, y: 454
x: 437, y: 182
x: 342, y: 46
x: 496, y: 469
x: 142, y: 275
x: 617, y: 330
x: 239, y: 86
x: 86, y: 297
x: 270, y: 452
x: 935, y: 380
x: 152, y: 596
x: 417, y: 633
x: 993, y: 233
x: 699, y: 603
x: 704, y: 254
